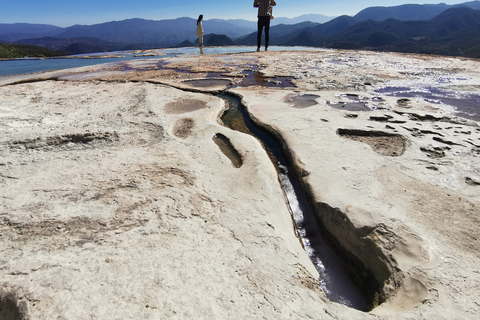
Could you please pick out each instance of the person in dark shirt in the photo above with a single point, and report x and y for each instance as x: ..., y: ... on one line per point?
x: 264, y: 16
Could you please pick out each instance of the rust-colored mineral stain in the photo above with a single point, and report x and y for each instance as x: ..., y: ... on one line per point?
x: 184, y: 106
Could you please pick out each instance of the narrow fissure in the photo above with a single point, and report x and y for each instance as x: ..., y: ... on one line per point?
x: 353, y: 269
x: 334, y: 279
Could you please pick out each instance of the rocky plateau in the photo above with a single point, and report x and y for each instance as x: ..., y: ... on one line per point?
x: 124, y: 197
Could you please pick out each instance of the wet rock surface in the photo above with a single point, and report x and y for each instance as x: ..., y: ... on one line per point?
x: 184, y: 106
x: 205, y: 83
x: 302, y: 101
x: 116, y: 202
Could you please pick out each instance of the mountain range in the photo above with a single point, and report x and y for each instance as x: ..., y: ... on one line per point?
x: 434, y: 29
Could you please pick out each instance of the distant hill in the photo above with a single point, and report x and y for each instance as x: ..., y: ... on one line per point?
x: 451, y: 21
x: 318, y: 18
x: 218, y: 40
x: 27, y: 28
x: 304, y: 37
x: 75, y: 45
x: 140, y: 32
x: 336, y: 25
x: 11, y: 51
x: 410, y: 12
x: 277, y: 33
x: 16, y: 31
x: 185, y: 43
x: 244, y: 27
x: 231, y: 28
x: 453, y: 32
x: 238, y: 23
x: 162, y: 33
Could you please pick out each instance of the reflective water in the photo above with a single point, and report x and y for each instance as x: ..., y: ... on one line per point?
x: 30, y: 65
x: 300, y: 101
x: 22, y: 66
x: 465, y: 104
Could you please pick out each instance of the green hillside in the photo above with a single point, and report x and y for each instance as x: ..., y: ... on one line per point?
x: 11, y: 51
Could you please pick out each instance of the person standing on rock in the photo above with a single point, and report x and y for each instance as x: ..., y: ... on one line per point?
x: 200, y: 31
x: 264, y: 16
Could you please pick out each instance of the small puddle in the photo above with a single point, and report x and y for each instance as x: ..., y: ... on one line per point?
x: 350, y: 106
x: 255, y: 78
x: 205, y: 83
x: 184, y: 106
x: 352, y: 102
x: 249, y: 77
x: 334, y: 281
x: 302, y: 100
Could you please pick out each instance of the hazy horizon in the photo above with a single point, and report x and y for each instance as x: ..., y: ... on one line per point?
x: 88, y: 12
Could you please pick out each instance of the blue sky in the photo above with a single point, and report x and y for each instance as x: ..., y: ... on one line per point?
x: 66, y: 13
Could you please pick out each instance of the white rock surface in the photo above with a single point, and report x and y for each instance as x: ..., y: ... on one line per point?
x: 116, y: 203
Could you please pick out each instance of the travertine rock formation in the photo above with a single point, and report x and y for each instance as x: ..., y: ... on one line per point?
x: 122, y: 195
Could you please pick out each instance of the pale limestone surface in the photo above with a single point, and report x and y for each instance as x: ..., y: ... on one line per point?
x: 139, y: 223
x: 112, y: 208
x: 428, y: 202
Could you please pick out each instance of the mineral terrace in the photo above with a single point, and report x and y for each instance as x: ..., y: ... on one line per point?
x: 116, y: 201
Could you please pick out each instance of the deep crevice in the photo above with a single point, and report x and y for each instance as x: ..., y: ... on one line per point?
x: 335, y: 283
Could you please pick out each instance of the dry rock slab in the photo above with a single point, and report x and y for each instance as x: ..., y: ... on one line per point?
x: 110, y: 210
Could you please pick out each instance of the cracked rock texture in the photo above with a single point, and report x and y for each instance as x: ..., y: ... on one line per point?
x: 116, y: 202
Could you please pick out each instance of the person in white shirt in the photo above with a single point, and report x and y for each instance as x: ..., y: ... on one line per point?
x: 200, y: 31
